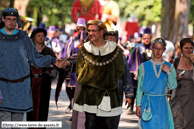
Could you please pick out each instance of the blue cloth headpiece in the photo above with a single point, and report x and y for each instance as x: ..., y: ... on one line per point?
x: 159, y: 40
x: 11, y: 12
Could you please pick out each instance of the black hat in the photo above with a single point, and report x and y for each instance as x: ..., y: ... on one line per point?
x: 37, y: 31
x: 11, y: 12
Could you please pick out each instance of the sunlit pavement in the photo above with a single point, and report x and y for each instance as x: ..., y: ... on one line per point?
x: 126, y: 121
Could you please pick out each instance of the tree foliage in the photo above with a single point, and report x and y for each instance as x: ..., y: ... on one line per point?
x: 59, y: 11
x: 191, y: 15
x: 146, y: 10
x: 54, y: 12
x: 175, y: 17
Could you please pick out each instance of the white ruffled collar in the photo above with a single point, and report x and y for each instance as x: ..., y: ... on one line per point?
x: 109, y: 47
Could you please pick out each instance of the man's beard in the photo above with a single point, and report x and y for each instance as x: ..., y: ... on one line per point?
x: 10, y: 29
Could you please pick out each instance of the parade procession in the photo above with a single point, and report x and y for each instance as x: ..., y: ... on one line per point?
x: 97, y: 64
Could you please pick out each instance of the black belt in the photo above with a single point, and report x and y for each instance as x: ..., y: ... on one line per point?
x: 16, y: 80
x: 39, y: 74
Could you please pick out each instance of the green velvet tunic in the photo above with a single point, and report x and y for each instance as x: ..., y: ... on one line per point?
x: 96, y: 80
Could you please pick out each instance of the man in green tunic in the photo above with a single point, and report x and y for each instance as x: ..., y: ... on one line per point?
x: 99, y: 66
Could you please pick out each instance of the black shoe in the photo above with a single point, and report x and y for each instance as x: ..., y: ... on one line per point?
x: 70, y: 119
x: 67, y: 110
x: 131, y: 112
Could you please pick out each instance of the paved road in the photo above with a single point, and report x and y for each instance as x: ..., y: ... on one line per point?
x: 126, y: 122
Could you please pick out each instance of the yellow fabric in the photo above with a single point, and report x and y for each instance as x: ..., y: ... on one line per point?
x: 111, y: 8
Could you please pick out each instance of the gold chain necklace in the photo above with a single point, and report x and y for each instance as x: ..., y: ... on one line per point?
x: 100, y: 63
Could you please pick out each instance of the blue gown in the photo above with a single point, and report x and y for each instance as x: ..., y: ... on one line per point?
x: 154, y: 84
x: 16, y: 51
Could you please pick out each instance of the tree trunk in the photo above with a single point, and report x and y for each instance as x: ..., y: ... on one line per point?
x: 1, y: 1
x: 21, y: 6
x: 39, y: 19
x: 175, y: 19
x: 4, y: 3
x: 164, y: 18
x: 171, y: 27
x: 182, y: 19
x: 11, y: 5
x: 167, y: 19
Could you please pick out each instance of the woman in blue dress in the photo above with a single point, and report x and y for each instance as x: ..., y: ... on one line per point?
x: 155, y: 78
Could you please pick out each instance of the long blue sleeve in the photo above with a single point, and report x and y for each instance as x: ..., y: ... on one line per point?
x: 172, y: 81
x: 33, y: 56
x: 140, y: 85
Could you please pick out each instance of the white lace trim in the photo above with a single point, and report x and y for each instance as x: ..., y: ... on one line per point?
x: 94, y: 109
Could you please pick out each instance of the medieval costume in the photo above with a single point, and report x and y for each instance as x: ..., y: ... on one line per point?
x: 152, y: 85
x: 72, y: 47
x: 139, y: 54
x: 55, y: 44
x: 98, y: 70
x: 70, y: 78
x: 87, y: 9
x: 16, y: 51
x: 78, y: 118
x: 41, y: 86
x: 131, y: 28
x: 124, y: 85
x: 98, y: 78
